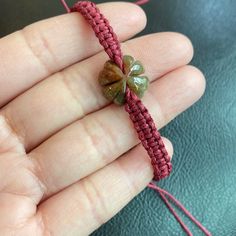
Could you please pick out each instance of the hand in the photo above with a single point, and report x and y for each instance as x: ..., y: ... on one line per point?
x: 69, y: 161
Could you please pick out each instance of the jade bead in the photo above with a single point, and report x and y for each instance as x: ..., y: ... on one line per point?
x: 114, y: 81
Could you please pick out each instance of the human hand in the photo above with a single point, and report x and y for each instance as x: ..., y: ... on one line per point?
x: 69, y: 160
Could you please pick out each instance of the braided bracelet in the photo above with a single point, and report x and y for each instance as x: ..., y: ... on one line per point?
x: 122, y: 82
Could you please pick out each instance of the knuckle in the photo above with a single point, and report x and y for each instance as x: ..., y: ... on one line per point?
x: 95, y: 201
x: 39, y: 46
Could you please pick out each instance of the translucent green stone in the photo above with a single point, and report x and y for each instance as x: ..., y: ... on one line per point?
x: 136, y: 69
x: 138, y: 84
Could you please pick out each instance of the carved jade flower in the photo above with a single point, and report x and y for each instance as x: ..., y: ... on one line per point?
x: 114, y: 81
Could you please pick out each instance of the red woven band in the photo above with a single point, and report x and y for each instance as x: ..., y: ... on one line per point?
x: 142, y: 120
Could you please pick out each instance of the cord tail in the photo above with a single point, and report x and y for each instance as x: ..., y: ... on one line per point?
x: 165, y: 195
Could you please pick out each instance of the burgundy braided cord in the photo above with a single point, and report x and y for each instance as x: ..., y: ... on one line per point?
x: 139, y: 115
x: 143, y: 123
x: 149, y: 136
x: 102, y: 29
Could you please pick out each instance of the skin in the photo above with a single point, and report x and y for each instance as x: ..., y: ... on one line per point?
x: 65, y: 168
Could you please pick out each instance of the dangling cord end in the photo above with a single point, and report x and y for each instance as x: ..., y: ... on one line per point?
x: 164, y: 194
x: 141, y: 2
x: 63, y: 2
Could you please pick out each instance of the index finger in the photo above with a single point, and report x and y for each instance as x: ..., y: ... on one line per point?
x: 48, y: 46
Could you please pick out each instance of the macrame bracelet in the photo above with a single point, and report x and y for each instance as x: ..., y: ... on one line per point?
x: 120, y: 71
x: 123, y: 82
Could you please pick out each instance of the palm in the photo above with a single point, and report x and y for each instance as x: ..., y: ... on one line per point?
x: 21, y: 190
x: 66, y: 163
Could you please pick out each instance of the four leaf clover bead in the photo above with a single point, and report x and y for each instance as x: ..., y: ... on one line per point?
x: 114, y: 81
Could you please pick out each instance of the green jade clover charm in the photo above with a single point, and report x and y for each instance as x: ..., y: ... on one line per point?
x: 114, y: 81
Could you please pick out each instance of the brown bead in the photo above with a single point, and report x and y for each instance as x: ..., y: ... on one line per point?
x: 111, y: 73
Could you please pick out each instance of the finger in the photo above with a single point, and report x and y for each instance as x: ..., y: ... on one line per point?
x: 41, y: 49
x: 68, y: 96
x: 86, y: 205
x: 101, y: 137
